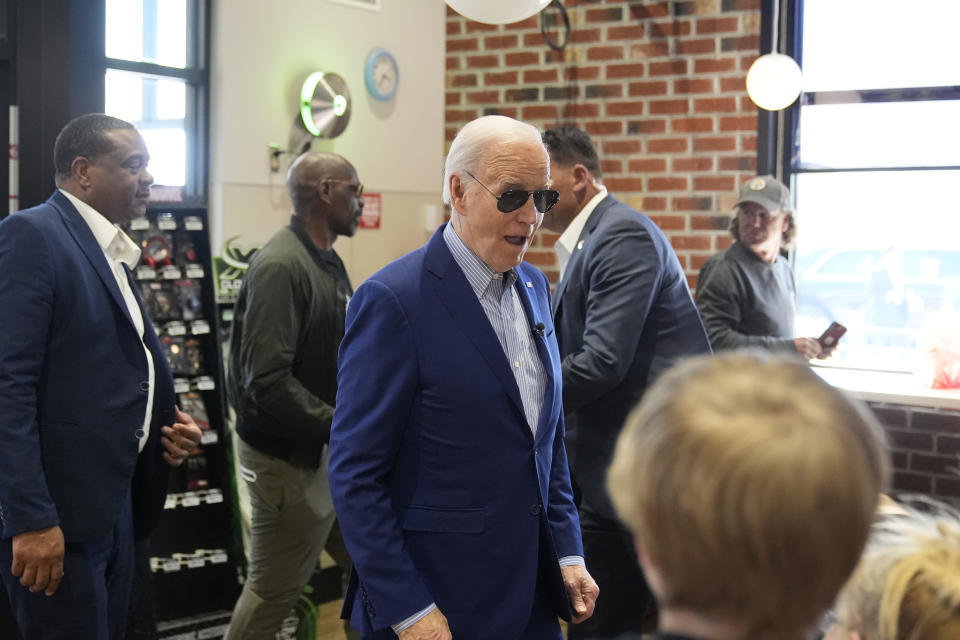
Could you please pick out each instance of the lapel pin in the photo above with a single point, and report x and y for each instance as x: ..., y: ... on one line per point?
x: 529, y: 285
x: 580, y: 245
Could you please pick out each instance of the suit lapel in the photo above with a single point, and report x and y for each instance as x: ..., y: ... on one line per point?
x: 576, y: 255
x: 561, y: 287
x: 88, y: 245
x: 457, y: 297
x: 524, y: 293
x: 150, y: 337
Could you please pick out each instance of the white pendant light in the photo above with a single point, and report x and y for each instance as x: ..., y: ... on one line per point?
x: 774, y: 79
x: 498, y: 11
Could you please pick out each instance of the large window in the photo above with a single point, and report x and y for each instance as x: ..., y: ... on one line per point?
x: 876, y: 167
x: 156, y: 79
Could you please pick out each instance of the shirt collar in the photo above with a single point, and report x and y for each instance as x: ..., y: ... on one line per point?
x: 572, y: 233
x: 296, y: 225
x: 326, y: 259
x: 746, y: 251
x: 478, y: 273
x: 565, y: 243
x: 111, y: 238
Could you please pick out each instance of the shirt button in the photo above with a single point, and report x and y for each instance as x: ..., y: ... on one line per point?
x: 139, y: 433
x: 535, y: 510
x: 516, y: 363
x: 145, y: 386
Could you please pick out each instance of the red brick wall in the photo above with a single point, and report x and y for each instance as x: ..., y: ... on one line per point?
x: 660, y: 88
x: 658, y: 85
x: 925, y: 447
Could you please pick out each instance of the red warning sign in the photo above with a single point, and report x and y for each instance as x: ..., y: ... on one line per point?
x: 372, y: 206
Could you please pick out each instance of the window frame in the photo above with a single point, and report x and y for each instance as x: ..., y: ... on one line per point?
x: 778, y: 140
x: 196, y: 75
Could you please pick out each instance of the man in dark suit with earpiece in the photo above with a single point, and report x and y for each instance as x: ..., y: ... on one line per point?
x: 623, y: 314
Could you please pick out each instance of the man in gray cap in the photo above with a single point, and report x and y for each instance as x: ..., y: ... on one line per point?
x: 746, y: 293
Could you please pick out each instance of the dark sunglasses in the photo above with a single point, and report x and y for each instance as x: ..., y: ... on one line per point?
x: 512, y: 199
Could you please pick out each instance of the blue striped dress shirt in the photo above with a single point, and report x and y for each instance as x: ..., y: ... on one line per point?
x: 503, y: 309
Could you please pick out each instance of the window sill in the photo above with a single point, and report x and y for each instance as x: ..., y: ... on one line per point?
x: 889, y: 387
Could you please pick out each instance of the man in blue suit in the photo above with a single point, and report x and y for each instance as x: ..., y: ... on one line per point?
x: 447, y: 462
x: 624, y: 314
x: 87, y: 414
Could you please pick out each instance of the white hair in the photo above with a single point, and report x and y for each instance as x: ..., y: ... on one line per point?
x: 477, y: 138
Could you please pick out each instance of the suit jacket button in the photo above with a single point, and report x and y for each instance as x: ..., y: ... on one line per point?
x: 145, y: 386
x: 139, y: 433
x: 535, y: 510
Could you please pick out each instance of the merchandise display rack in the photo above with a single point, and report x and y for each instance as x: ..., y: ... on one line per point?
x: 189, y: 571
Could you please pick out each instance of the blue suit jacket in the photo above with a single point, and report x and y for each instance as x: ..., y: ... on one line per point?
x: 73, y: 383
x: 441, y: 490
x: 624, y: 315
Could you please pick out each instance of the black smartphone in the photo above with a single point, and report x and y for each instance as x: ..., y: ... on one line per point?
x: 828, y: 339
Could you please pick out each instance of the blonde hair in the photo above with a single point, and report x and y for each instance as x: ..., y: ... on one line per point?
x: 907, y: 586
x: 751, y: 484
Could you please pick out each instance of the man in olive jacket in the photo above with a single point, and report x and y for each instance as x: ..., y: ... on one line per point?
x: 288, y: 323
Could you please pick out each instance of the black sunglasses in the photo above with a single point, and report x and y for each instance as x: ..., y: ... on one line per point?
x: 512, y: 199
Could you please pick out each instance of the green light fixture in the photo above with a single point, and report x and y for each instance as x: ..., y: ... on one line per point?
x: 324, y: 104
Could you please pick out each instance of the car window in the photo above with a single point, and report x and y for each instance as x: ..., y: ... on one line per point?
x: 847, y: 263
x: 949, y: 264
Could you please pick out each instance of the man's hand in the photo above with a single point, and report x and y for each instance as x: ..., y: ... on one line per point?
x: 826, y: 353
x: 808, y: 348
x: 38, y: 559
x: 181, y: 439
x: 582, y: 591
x: 432, y: 626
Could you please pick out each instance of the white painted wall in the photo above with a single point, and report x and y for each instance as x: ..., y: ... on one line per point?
x: 261, y: 51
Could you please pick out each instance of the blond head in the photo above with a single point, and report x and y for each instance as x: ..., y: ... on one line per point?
x: 751, y: 485
x: 907, y: 585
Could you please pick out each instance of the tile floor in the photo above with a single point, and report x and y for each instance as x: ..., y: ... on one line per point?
x: 329, y: 624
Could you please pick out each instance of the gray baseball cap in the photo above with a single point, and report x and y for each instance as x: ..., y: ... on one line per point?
x: 766, y: 191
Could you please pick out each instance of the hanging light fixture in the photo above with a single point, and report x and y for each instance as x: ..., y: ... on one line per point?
x: 774, y: 79
x: 498, y: 11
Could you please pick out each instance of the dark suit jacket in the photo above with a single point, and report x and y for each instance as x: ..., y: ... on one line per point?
x: 73, y: 385
x: 624, y: 314
x: 441, y: 490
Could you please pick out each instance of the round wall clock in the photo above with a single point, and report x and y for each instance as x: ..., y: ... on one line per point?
x: 381, y: 74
